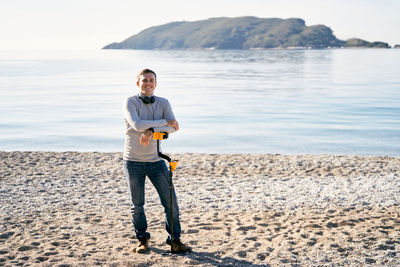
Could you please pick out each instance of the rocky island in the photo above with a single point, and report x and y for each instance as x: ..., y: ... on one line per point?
x: 239, y: 33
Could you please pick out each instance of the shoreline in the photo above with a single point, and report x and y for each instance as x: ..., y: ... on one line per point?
x: 72, y: 208
x: 201, y: 153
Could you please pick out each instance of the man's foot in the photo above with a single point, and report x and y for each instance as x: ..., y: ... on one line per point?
x: 177, y: 247
x: 143, y: 245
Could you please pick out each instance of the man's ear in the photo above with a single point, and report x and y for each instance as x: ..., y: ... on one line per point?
x: 137, y: 83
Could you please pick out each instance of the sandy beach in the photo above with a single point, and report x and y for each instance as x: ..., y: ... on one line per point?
x: 72, y: 209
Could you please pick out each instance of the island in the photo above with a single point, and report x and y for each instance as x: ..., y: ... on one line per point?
x: 239, y: 33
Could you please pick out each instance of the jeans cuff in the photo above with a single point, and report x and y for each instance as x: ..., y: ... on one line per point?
x: 146, y: 234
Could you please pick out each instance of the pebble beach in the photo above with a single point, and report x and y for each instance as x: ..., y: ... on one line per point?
x: 72, y: 209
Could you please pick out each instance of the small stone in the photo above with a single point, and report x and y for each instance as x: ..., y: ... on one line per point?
x: 261, y: 256
x: 41, y: 259
x: 24, y: 248
x: 51, y: 253
x: 385, y: 247
x: 369, y: 260
x: 6, y: 235
x: 242, y: 254
x: 332, y: 225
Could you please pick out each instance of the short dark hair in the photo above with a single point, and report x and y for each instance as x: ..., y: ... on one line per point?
x: 144, y: 71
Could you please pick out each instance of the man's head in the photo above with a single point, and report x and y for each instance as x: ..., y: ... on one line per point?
x: 147, y: 82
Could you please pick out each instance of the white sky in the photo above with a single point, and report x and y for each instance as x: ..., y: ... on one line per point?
x: 92, y: 24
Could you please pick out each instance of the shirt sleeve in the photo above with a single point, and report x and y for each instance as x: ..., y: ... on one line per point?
x: 167, y: 129
x: 168, y: 114
x: 132, y: 117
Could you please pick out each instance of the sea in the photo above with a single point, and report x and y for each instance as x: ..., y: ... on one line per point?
x: 330, y: 101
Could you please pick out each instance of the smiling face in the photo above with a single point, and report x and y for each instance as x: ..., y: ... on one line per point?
x: 147, y: 83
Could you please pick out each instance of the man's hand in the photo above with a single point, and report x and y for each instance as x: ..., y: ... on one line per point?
x: 146, y: 137
x: 173, y: 123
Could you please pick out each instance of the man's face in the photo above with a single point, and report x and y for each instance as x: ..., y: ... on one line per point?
x: 147, y: 83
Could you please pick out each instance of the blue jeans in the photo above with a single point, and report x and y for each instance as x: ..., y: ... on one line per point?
x: 158, y: 174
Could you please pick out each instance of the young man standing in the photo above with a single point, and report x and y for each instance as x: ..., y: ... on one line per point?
x: 145, y: 114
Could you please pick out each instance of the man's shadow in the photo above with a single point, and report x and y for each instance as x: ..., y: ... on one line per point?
x: 208, y: 258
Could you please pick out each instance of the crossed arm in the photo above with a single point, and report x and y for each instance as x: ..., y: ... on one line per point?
x: 148, y: 134
x: 169, y: 124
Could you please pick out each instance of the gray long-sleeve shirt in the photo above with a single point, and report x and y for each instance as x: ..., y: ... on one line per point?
x: 138, y: 118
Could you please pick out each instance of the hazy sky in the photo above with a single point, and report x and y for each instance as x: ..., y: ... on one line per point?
x: 92, y: 24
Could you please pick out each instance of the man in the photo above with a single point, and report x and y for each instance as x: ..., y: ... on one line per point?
x: 144, y: 114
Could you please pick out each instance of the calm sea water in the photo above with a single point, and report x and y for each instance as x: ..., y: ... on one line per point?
x: 342, y: 101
